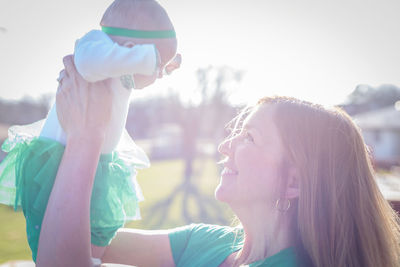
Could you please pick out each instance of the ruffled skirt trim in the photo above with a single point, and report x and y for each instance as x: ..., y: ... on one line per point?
x: 28, y: 172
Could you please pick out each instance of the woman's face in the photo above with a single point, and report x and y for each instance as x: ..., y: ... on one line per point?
x: 253, y: 162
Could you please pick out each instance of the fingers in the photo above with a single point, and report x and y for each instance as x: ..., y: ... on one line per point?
x: 65, y: 90
x: 178, y: 59
x: 61, y: 97
x: 69, y: 67
x: 59, y: 80
x: 68, y: 64
x: 72, y: 72
x: 61, y: 76
x: 76, y: 84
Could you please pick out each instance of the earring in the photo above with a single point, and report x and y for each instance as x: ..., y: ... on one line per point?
x: 284, y: 208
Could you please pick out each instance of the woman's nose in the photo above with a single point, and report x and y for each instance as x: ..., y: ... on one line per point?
x: 225, y: 147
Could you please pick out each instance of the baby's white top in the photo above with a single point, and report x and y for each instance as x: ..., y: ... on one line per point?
x: 97, y: 58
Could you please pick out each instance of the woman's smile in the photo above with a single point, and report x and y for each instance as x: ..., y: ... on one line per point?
x: 226, y: 172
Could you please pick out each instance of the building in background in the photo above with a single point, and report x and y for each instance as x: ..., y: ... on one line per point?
x: 381, y: 131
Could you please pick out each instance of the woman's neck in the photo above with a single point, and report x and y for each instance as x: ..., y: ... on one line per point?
x: 269, y: 232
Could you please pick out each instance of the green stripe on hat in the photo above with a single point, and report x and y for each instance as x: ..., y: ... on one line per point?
x: 139, y: 34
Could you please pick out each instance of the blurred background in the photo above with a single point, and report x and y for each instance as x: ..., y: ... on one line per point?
x: 342, y: 53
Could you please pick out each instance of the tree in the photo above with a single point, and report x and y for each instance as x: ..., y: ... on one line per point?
x: 366, y: 98
x: 24, y: 111
x: 204, y: 116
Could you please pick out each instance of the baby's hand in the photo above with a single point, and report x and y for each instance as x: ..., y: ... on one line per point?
x: 142, y: 81
x: 174, y: 64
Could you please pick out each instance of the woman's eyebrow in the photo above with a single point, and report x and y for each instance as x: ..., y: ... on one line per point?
x: 247, y: 124
x: 252, y: 128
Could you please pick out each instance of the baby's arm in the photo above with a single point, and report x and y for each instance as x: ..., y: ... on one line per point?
x: 97, y: 57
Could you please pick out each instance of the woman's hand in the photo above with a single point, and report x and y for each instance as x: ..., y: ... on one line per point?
x: 83, y: 109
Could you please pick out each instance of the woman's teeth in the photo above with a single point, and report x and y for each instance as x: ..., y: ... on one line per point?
x: 229, y: 171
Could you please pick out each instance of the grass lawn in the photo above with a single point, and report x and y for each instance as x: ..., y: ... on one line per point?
x: 157, y: 183
x: 13, y: 244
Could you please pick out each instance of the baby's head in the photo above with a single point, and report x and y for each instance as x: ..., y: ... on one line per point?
x: 142, y: 15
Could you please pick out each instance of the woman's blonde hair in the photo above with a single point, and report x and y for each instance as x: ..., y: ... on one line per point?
x: 342, y: 218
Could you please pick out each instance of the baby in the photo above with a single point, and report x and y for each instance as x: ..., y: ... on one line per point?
x: 136, y: 45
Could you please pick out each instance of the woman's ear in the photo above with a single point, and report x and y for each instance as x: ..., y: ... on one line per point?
x: 293, y: 185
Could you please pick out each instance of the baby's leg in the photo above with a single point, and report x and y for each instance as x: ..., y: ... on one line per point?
x: 98, y: 252
x: 114, y: 200
x: 35, y: 170
x: 114, y: 197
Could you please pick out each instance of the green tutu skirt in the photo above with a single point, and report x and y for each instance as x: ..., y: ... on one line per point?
x: 28, y: 172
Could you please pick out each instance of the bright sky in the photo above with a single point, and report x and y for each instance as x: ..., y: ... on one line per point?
x: 312, y: 49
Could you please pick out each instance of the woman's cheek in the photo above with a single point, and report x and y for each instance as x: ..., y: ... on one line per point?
x: 257, y: 175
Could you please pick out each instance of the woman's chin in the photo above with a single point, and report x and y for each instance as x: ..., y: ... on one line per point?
x: 221, y: 194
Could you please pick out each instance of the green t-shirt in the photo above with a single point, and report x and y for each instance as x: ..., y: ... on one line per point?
x: 209, y: 245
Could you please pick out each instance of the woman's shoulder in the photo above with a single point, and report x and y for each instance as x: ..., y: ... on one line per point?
x: 193, y: 242
x: 206, y: 231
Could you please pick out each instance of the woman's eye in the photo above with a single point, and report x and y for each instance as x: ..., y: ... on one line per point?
x: 248, y: 138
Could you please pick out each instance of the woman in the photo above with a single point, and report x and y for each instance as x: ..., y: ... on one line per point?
x: 298, y: 177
